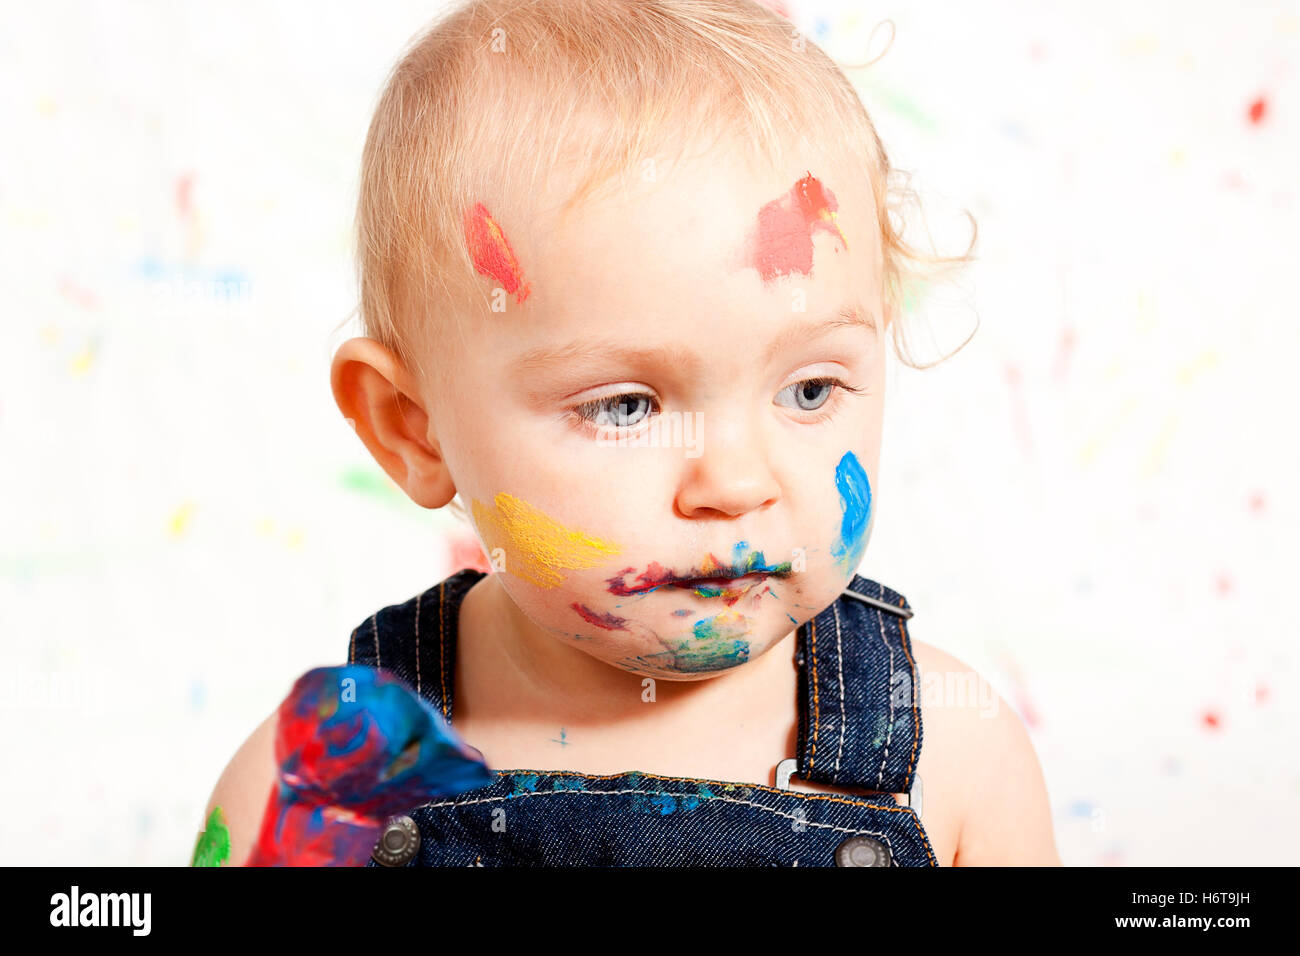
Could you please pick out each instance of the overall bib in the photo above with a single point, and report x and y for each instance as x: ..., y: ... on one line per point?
x: 859, y: 726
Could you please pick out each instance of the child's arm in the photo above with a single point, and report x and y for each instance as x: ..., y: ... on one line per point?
x: 241, y: 794
x: 1008, y: 820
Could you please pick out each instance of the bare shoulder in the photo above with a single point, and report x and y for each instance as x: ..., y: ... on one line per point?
x: 244, y: 787
x: 977, y: 758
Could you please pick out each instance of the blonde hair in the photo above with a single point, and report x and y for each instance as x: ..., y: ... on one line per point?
x: 498, y: 100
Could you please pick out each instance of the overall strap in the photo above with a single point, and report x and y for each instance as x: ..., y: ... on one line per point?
x: 416, y: 640
x: 859, y: 706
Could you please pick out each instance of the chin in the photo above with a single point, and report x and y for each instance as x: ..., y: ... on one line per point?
x: 690, y: 648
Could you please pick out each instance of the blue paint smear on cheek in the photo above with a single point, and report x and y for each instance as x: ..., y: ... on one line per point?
x: 855, y: 498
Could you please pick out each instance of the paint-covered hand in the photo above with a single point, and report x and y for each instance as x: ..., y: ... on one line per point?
x: 354, y: 745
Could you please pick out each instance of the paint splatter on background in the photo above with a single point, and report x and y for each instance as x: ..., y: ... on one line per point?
x: 1152, y: 241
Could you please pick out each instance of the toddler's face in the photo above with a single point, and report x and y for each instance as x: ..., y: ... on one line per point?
x: 657, y: 445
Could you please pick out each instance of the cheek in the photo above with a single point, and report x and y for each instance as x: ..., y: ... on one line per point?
x: 568, y: 498
x: 549, y: 566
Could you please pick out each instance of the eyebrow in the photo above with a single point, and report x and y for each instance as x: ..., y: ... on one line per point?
x: 681, y: 357
x: 847, y: 317
x: 574, y: 353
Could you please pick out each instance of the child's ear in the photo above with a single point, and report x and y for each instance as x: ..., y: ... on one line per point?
x: 380, y: 399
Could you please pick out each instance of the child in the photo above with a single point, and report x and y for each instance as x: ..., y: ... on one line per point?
x: 626, y: 275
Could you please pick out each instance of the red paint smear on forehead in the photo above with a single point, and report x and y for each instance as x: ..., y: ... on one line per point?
x: 783, y: 242
x: 491, y: 251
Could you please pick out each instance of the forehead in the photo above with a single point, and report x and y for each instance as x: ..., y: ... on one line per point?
x: 708, y: 238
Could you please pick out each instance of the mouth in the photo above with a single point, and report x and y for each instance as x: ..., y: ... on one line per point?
x: 720, y: 584
x: 711, y: 579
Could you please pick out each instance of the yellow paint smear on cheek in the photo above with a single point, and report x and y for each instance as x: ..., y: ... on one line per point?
x: 538, y: 548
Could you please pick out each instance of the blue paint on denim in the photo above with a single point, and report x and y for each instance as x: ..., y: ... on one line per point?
x: 525, y: 782
x: 664, y: 802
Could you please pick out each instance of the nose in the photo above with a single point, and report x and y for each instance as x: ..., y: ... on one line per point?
x: 732, y: 475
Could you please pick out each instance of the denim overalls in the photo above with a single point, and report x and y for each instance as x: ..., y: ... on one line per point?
x: 859, y: 726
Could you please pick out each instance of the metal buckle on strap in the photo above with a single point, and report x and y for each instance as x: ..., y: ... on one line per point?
x: 903, y: 612
x: 786, y: 768
x: 783, y: 772
x: 914, y: 795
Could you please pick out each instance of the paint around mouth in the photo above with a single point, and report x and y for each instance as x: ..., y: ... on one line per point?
x: 746, y: 568
x: 719, y: 584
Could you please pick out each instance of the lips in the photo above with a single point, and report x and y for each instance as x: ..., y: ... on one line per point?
x: 709, y: 578
x: 692, y: 584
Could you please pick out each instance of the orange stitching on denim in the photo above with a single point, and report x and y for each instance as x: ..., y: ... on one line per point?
x: 925, y: 842
x: 417, y: 641
x: 352, y: 647
x: 442, y: 646
x: 374, y: 626
x: 812, y: 754
x: 916, y: 724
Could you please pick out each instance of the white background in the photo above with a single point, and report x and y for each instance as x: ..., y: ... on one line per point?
x: 1093, y: 503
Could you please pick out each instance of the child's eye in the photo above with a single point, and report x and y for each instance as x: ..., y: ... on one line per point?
x: 617, y: 411
x: 810, y: 394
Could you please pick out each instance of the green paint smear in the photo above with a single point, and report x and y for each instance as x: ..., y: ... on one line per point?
x: 897, y: 103
x: 882, y: 728
x: 213, y: 846
x: 373, y: 484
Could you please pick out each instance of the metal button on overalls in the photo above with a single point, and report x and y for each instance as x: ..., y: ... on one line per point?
x: 861, y: 851
x: 398, y: 843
